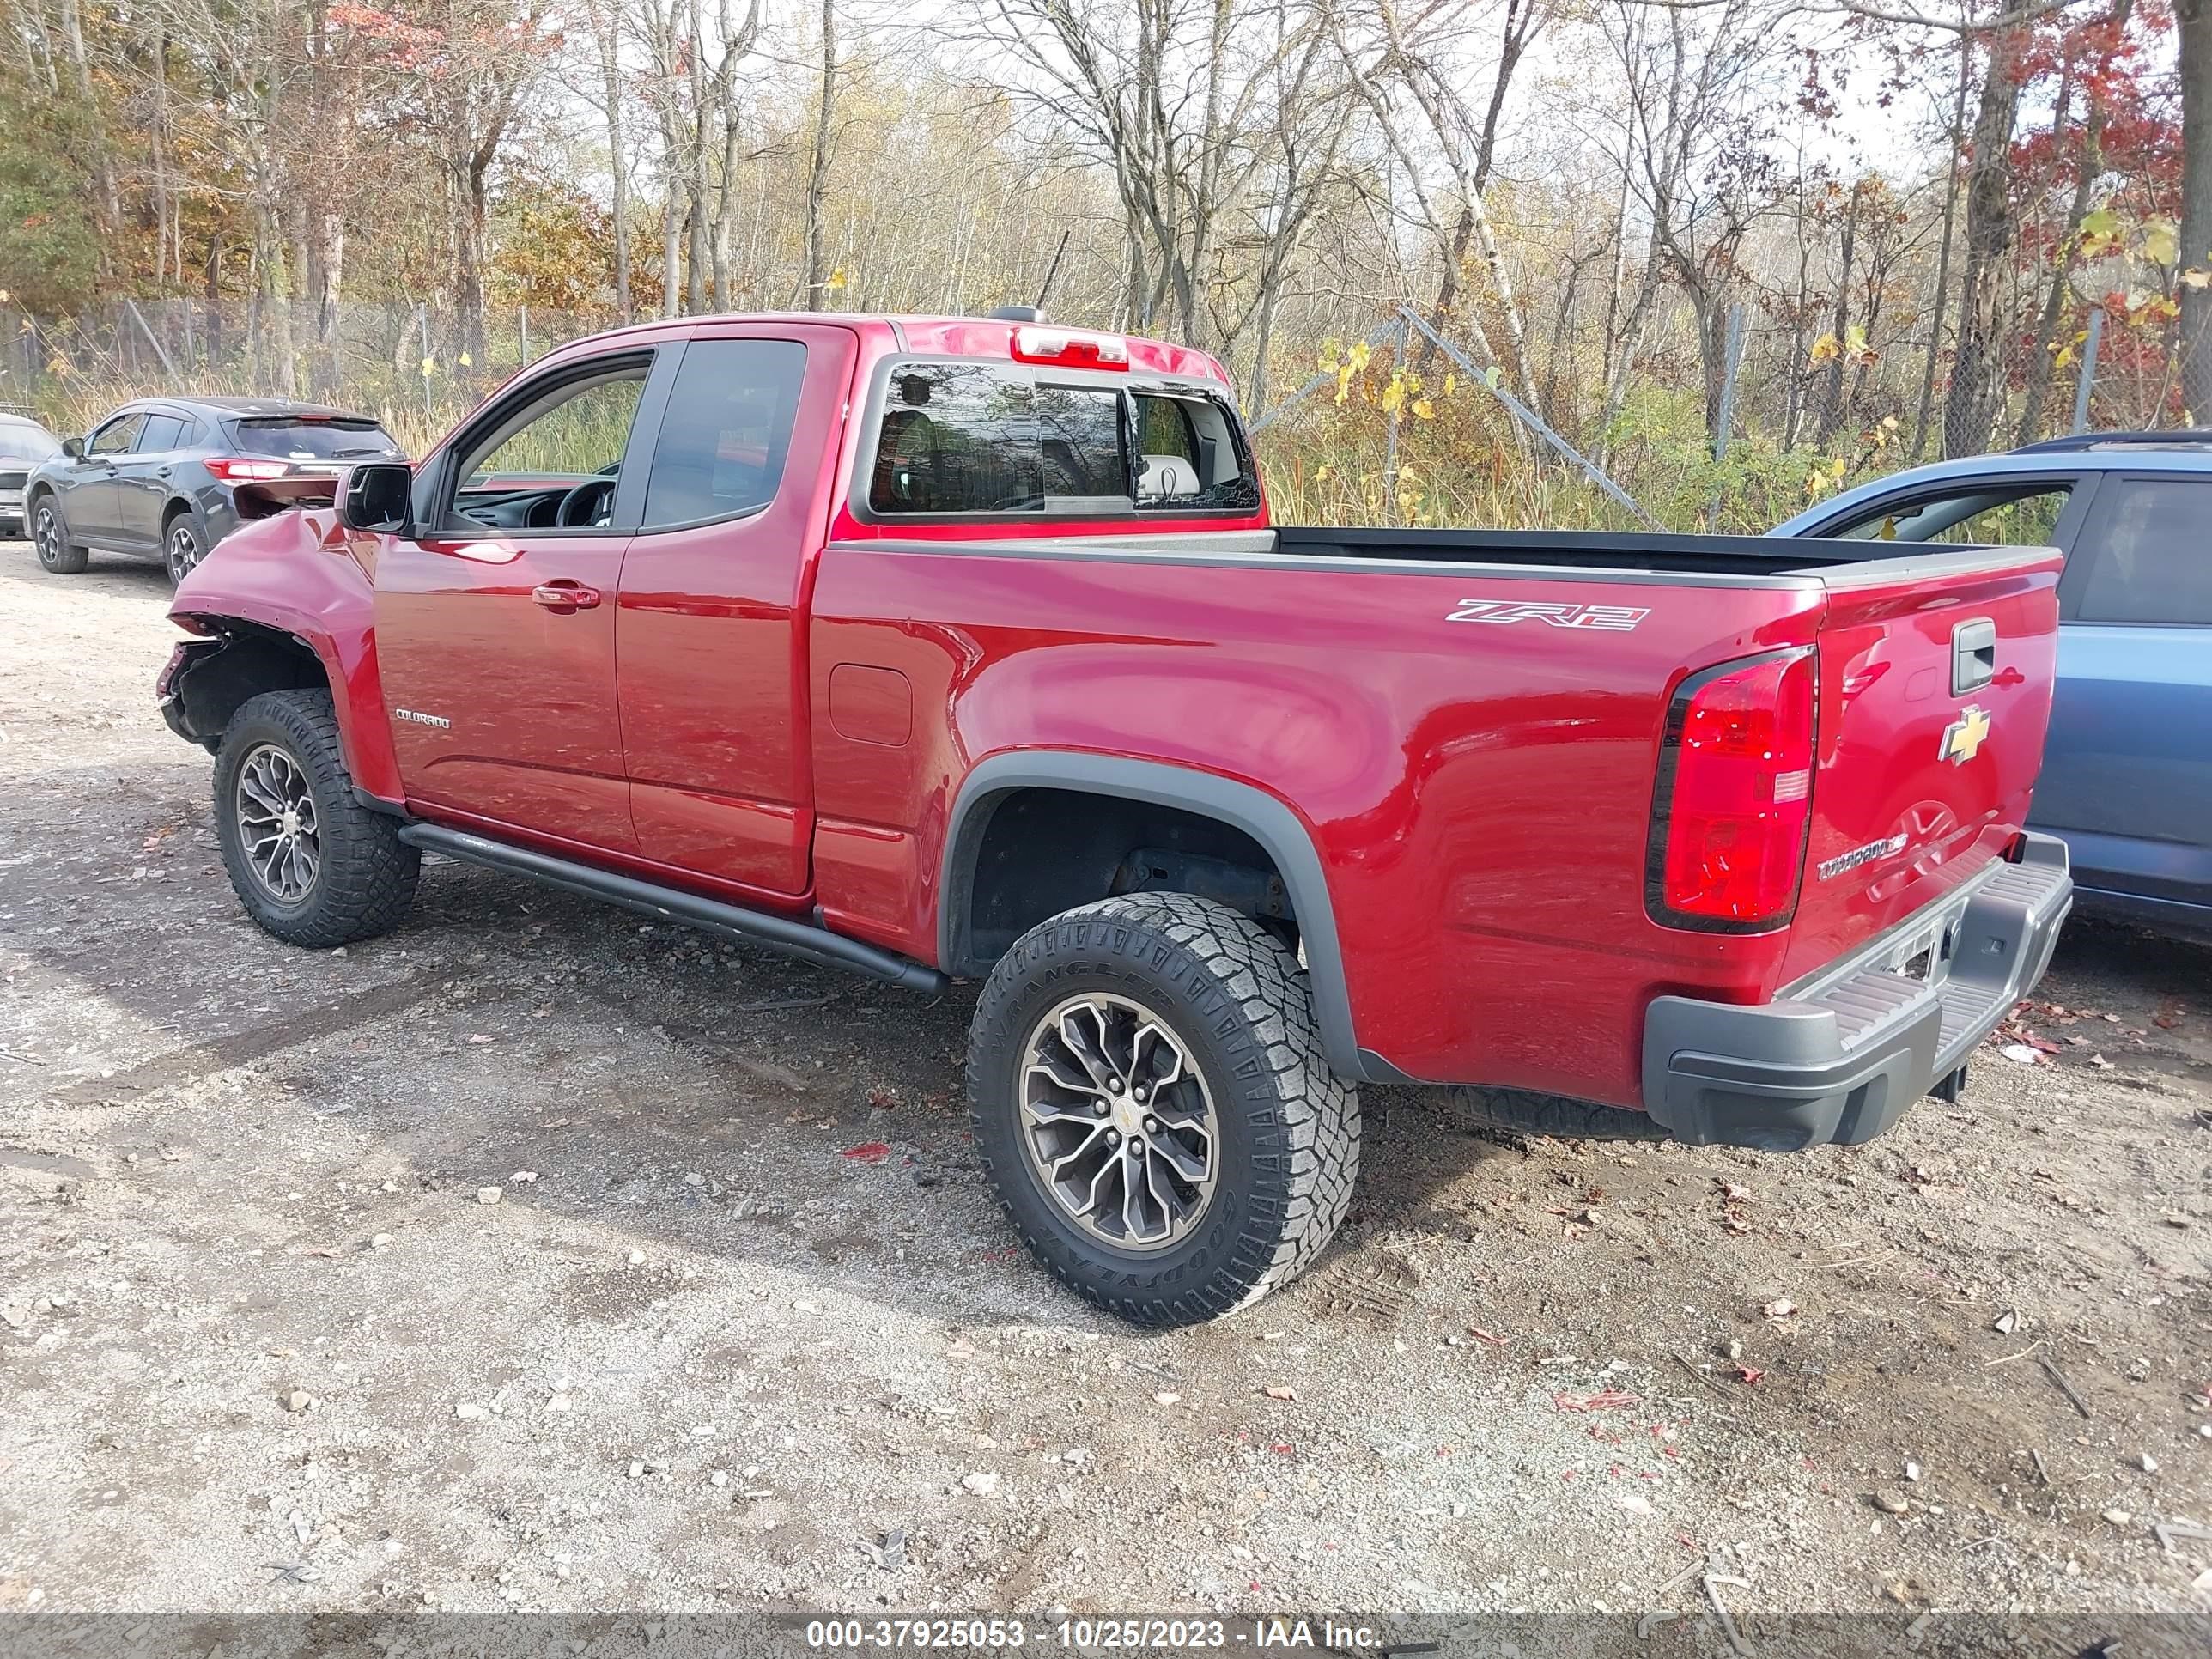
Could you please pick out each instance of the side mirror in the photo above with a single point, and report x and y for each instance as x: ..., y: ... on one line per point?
x: 74, y: 448
x: 377, y: 497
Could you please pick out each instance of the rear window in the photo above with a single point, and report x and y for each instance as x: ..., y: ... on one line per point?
x: 981, y: 438
x: 296, y: 440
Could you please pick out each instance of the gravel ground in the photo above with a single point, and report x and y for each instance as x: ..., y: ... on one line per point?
x: 267, y: 1343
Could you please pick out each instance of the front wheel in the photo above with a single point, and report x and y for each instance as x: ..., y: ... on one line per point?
x: 309, y: 862
x: 49, y: 535
x: 1150, y: 1098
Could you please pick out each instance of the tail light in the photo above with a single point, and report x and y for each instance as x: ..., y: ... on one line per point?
x: 1071, y: 348
x: 1734, y: 795
x: 236, y: 469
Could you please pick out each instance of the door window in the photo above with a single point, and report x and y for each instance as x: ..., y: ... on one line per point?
x: 116, y: 436
x: 162, y: 433
x: 2152, y: 561
x: 727, y: 434
x: 553, y: 460
x: 1991, y: 515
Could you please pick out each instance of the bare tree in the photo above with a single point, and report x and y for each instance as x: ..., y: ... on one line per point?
x: 2195, y: 17
x: 1694, y: 145
x: 1407, y: 52
x: 1978, y: 366
x: 1522, y: 21
x: 604, y: 17
x: 694, y: 97
x: 817, y: 171
x: 1167, y: 93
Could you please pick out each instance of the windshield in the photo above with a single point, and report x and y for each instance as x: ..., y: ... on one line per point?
x: 296, y: 440
x: 20, y: 440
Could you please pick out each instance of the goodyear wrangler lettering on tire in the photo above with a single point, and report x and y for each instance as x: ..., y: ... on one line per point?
x: 1228, y: 1175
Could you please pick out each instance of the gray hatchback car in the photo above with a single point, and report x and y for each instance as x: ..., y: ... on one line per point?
x: 159, y: 478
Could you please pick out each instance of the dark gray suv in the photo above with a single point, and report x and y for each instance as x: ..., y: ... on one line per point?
x: 160, y: 478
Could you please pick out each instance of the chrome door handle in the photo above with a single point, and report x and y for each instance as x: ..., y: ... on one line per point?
x: 565, y: 596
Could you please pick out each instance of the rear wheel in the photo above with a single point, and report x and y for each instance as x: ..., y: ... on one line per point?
x: 1151, y: 1100
x: 181, y: 547
x: 310, y: 864
x: 49, y: 535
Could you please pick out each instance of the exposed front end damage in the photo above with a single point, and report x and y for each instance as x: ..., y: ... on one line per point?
x: 206, y: 680
x: 286, y: 603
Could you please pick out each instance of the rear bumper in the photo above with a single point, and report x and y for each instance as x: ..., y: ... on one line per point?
x: 1840, y: 1056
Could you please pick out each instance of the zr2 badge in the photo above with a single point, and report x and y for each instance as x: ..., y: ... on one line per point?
x: 1613, y: 618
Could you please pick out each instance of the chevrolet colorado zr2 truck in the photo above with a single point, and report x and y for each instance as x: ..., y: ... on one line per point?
x: 964, y: 649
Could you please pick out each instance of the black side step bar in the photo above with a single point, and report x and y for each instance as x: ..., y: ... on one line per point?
x: 797, y: 939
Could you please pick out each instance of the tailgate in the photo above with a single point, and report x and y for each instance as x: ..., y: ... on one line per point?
x: 1935, y: 681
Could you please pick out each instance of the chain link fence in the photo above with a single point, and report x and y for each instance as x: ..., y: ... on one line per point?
x: 414, y: 367
x: 1692, y: 437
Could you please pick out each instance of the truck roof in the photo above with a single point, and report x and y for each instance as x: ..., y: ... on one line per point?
x: 990, y: 338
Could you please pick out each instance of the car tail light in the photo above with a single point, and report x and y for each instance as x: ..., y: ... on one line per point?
x: 236, y: 469
x: 1734, y: 795
x: 1071, y: 348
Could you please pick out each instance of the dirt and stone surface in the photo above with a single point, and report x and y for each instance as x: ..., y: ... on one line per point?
x: 533, y: 1258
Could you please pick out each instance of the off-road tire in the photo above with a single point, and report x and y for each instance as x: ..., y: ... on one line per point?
x: 58, y: 554
x: 366, y: 875
x: 1289, y: 1126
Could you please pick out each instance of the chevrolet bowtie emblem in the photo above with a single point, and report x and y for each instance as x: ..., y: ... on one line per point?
x: 1963, y: 737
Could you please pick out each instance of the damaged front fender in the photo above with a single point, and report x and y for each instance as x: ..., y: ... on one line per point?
x: 287, y: 602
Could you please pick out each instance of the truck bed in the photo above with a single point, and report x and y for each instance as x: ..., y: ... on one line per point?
x: 1656, y: 553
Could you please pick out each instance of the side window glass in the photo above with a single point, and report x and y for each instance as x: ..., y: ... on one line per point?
x: 1188, y: 455
x: 2153, y: 563
x: 577, y: 431
x: 2004, y: 517
x: 564, y: 438
x: 116, y: 436
x: 727, y: 434
x: 162, y: 433
x: 1079, y: 447
x: 957, y: 438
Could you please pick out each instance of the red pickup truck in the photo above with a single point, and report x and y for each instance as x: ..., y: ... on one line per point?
x: 954, y: 648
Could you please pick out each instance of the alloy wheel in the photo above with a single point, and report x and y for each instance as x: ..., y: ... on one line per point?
x: 183, y: 550
x: 1118, y: 1122
x: 46, y: 532
x: 277, y: 824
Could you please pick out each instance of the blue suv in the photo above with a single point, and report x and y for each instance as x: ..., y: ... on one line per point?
x: 2127, y: 772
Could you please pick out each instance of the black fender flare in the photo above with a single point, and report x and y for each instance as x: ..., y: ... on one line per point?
x: 1278, y: 830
